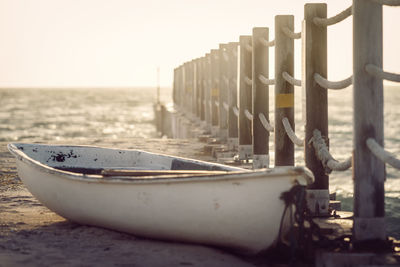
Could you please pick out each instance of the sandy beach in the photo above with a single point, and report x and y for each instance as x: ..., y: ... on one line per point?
x: 32, y: 235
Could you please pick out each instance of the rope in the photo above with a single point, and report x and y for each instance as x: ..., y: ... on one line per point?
x: 333, y: 85
x: 333, y: 20
x: 292, y: 135
x: 266, y: 43
x: 322, y: 153
x: 249, y: 48
x: 265, y: 80
x: 290, y: 79
x: 388, y: 2
x: 248, y: 81
x: 226, y: 106
x: 379, y: 73
x: 289, y: 33
x: 235, y: 111
x: 265, y: 123
x: 382, y: 154
x: 248, y: 115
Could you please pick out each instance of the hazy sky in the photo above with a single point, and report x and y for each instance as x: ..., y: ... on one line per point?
x: 122, y: 42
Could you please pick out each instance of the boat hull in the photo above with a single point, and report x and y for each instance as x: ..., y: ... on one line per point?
x: 240, y: 210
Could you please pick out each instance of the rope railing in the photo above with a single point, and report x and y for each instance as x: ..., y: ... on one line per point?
x: 249, y: 48
x: 265, y: 122
x: 291, y: 134
x: 266, y: 43
x: 264, y: 80
x: 382, y: 154
x: 235, y: 111
x: 289, y: 33
x: 331, y: 84
x: 248, y: 115
x: 379, y: 73
x: 290, y: 79
x: 226, y: 106
x: 322, y: 153
x: 248, y: 81
x: 388, y: 2
x: 335, y: 19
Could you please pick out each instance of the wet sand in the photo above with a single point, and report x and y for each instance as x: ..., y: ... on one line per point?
x: 32, y: 235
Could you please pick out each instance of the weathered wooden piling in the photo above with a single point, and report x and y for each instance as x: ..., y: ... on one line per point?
x: 232, y: 51
x: 284, y: 91
x: 214, y: 77
x: 315, y: 61
x: 202, y: 87
x: 260, y: 93
x: 223, y: 92
x: 207, y: 91
x: 245, y: 98
x: 368, y: 171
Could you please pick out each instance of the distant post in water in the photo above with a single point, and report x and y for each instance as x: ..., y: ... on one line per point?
x: 223, y: 92
x: 245, y: 97
x: 284, y: 91
x: 368, y: 171
x: 232, y: 52
x: 260, y: 94
x: 214, y: 75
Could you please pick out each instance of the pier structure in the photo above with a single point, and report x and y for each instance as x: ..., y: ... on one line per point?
x: 233, y: 95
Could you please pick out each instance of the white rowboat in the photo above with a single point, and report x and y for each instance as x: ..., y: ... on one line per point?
x: 159, y: 196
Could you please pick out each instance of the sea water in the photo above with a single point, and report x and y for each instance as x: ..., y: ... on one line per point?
x: 51, y: 114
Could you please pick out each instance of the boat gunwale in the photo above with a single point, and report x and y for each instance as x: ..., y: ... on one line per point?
x: 293, y: 171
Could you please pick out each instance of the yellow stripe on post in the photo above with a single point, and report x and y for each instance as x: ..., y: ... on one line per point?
x: 215, y: 92
x: 284, y: 100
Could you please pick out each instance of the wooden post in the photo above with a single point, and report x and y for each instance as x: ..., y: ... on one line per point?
x: 214, y: 75
x: 207, y: 92
x: 368, y: 171
x: 284, y: 93
x: 201, y: 88
x: 260, y: 63
x: 198, y: 87
x: 245, y: 98
x: 315, y: 61
x: 233, y: 140
x: 223, y: 92
x: 194, y: 88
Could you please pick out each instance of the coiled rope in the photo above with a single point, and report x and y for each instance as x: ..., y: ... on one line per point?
x: 265, y: 123
x: 266, y: 43
x: 322, y: 153
x: 379, y: 73
x: 289, y: 33
x: 335, y: 19
x: 248, y: 115
x: 264, y: 80
x: 333, y: 85
x: 382, y: 154
x: 291, y: 134
x: 290, y: 79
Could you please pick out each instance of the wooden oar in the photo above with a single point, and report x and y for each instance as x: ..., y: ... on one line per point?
x: 122, y: 172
